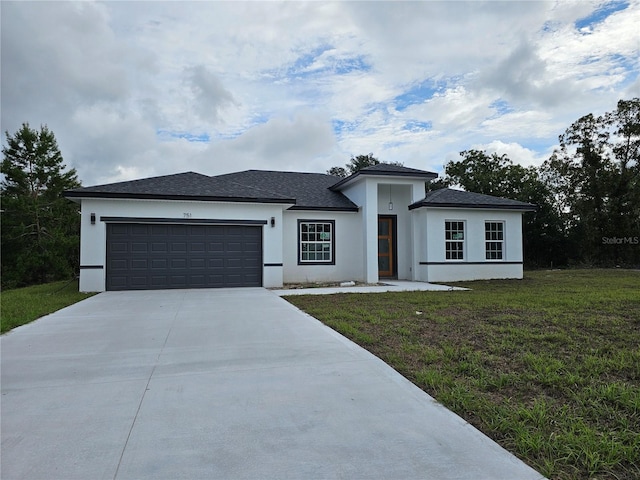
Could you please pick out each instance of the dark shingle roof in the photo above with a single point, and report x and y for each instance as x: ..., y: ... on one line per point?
x: 390, y: 169
x: 311, y: 190
x: 447, y: 197
x: 308, y: 191
x: 387, y: 170
x: 182, y: 186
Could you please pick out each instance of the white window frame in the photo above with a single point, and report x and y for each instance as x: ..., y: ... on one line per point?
x: 452, y: 236
x: 314, y: 239
x: 494, y: 245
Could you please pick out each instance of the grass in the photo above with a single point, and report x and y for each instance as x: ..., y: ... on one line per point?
x: 24, y: 305
x: 548, y: 366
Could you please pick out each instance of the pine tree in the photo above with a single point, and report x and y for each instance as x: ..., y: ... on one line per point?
x: 40, y: 228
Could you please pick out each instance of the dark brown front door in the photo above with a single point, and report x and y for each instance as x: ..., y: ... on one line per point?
x: 386, y: 246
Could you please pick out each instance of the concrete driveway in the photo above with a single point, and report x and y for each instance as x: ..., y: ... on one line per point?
x: 230, y: 383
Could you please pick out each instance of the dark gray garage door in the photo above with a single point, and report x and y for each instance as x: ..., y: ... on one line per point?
x: 150, y: 256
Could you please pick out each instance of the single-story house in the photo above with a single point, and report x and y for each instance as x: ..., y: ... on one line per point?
x: 267, y: 228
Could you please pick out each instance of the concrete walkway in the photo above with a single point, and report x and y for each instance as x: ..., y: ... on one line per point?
x: 219, y: 384
x: 385, y: 286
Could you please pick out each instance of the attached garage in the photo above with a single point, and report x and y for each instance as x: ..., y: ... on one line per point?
x: 149, y: 256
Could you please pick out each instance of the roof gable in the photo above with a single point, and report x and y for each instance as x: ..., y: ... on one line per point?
x: 448, y: 197
x: 386, y: 170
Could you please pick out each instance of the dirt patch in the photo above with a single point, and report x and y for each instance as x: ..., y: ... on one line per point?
x: 300, y: 286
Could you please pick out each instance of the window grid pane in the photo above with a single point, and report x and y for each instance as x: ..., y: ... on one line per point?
x: 494, y: 240
x: 316, y: 242
x: 454, y: 240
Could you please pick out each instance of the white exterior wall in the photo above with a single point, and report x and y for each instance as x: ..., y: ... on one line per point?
x: 400, y: 196
x: 371, y: 194
x: 432, y: 266
x: 348, y: 248
x: 93, y: 238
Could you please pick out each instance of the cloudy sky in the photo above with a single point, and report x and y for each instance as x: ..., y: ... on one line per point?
x: 137, y: 89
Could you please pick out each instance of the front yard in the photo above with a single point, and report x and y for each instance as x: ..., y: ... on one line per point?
x: 548, y: 366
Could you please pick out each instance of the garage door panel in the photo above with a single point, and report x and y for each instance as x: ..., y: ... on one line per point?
x: 119, y: 229
x: 149, y: 256
x: 198, y: 263
x: 140, y: 264
x: 159, y: 247
x: 118, y: 281
x: 160, y: 230
x: 178, y: 281
x: 139, y: 247
x: 178, y: 247
x: 178, y: 263
x: 213, y: 263
x: 233, y: 263
x: 138, y: 280
x: 198, y: 280
x: 159, y: 263
x: 197, y: 246
x: 159, y: 281
x: 234, y: 247
x: 139, y: 230
x: 215, y: 249
x: 119, y: 247
x: 252, y: 247
x: 118, y: 265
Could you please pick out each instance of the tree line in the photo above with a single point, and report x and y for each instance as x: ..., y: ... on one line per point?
x: 587, y: 193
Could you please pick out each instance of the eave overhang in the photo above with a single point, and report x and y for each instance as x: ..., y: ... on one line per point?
x: 356, y: 176
x: 72, y: 195
x: 324, y: 209
x: 522, y: 208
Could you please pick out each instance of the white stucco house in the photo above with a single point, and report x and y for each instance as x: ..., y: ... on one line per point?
x: 267, y: 228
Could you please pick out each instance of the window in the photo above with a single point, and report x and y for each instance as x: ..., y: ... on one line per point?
x: 316, y: 242
x: 494, y: 240
x: 454, y: 240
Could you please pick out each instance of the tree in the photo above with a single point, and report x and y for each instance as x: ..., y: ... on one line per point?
x: 40, y: 228
x: 356, y: 164
x: 338, y: 172
x: 594, y: 176
x: 624, y: 125
x: 497, y: 175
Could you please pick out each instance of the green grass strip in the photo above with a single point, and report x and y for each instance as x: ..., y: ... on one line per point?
x: 24, y: 305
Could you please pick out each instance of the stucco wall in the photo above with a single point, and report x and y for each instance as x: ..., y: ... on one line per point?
x: 348, y: 248
x: 372, y: 195
x: 400, y: 196
x: 432, y: 264
x: 93, y: 237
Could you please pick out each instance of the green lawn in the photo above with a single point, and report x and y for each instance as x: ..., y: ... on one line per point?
x: 548, y: 366
x: 24, y: 305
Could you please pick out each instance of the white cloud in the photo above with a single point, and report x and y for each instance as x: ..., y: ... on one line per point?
x: 210, y: 96
x: 148, y: 88
x: 282, y: 143
x: 516, y: 152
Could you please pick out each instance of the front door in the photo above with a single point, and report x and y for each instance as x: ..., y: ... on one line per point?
x: 386, y: 246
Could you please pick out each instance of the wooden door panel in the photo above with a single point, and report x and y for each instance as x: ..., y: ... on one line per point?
x: 385, y: 247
